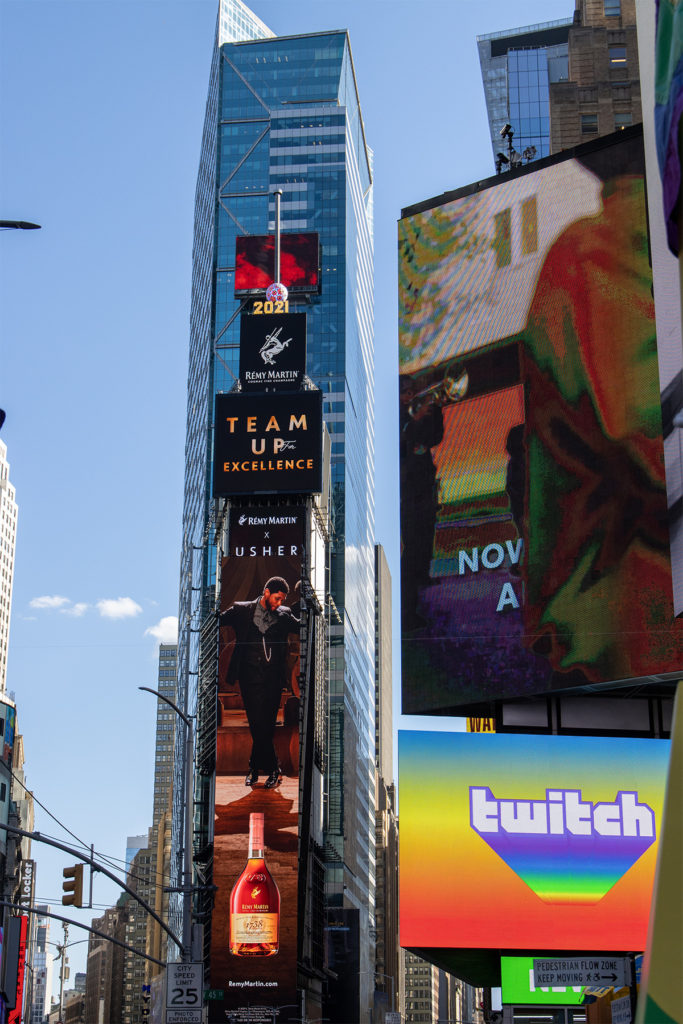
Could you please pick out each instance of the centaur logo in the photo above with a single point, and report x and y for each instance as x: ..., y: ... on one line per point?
x: 565, y: 848
x: 273, y: 346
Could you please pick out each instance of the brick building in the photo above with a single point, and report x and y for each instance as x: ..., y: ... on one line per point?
x: 602, y: 93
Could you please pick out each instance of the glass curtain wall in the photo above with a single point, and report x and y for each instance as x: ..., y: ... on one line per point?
x: 284, y: 113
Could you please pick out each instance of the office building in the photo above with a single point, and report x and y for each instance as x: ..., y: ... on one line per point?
x: 237, y: 22
x: 160, y: 833
x: 517, y: 69
x: 42, y: 966
x: 432, y: 995
x: 133, y: 846
x: 387, y: 950
x: 421, y: 990
x: 602, y: 92
x: 283, y: 113
x: 8, y: 539
x: 135, y: 922
x: 165, y: 730
x: 562, y: 83
x: 104, y: 972
x: 148, y: 856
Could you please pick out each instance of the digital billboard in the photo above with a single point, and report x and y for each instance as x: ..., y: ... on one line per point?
x: 268, y: 443
x: 255, y: 869
x: 299, y: 263
x: 272, y: 351
x: 546, y: 843
x: 535, y: 541
x: 518, y: 988
x: 15, y: 1015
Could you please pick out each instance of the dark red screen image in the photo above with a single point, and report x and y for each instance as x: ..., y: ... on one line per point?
x: 255, y: 263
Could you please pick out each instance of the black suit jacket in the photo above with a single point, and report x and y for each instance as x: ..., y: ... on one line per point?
x: 240, y: 616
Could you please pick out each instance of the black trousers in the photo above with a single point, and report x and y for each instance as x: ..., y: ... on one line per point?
x: 261, y: 698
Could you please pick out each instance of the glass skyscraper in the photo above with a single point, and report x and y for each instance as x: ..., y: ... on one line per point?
x: 283, y: 113
x: 516, y: 68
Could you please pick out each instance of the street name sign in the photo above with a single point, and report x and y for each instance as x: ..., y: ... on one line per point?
x: 184, y: 988
x: 599, y: 970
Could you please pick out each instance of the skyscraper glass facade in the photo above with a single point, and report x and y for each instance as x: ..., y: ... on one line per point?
x: 284, y: 113
x: 529, y: 99
x: 236, y: 22
x: 516, y: 68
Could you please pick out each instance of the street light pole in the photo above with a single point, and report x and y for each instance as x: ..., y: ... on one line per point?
x: 379, y: 974
x: 187, y: 836
x: 62, y: 972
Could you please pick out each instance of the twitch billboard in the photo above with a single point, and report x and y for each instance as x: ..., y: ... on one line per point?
x: 536, y: 843
x: 535, y: 541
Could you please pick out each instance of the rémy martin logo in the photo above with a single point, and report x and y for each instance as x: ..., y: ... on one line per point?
x: 273, y: 346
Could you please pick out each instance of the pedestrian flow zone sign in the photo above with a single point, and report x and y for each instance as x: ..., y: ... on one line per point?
x: 184, y: 988
x: 599, y: 970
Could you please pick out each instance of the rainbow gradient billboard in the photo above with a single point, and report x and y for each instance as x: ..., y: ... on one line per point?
x: 518, y: 843
x: 535, y: 548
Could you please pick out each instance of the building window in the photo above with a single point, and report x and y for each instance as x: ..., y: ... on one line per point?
x: 612, y: 8
x: 617, y: 54
x: 589, y: 124
x: 622, y: 120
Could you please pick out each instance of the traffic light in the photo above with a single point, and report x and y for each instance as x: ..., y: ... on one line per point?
x: 73, y: 886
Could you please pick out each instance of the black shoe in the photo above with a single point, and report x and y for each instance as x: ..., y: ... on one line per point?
x: 274, y: 779
x: 252, y: 777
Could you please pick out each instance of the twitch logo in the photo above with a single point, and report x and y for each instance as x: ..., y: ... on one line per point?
x: 565, y: 848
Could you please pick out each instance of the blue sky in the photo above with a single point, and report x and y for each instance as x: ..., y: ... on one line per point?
x: 102, y: 112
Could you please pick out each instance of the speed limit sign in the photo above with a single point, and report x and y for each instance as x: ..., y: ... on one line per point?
x: 184, y: 988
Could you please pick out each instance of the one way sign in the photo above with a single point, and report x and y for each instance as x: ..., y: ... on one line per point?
x: 599, y: 970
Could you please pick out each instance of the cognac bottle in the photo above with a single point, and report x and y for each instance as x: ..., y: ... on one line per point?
x: 255, y: 902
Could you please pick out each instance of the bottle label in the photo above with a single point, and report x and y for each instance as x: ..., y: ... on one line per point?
x: 254, y: 928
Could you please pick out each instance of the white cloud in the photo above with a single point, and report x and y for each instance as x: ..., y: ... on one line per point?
x: 54, y: 601
x: 118, y: 608
x: 165, y: 631
x: 76, y: 610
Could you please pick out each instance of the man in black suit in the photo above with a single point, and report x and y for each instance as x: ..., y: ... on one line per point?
x: 259, y: 666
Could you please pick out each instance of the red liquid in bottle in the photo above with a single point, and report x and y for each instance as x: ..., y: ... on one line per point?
x: 255, y: 902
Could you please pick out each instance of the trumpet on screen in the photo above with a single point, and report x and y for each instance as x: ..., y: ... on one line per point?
x: 453, y: 388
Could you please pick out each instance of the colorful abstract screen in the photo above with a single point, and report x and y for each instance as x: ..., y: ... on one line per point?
x: 542, y: 845
x: 535, y: 544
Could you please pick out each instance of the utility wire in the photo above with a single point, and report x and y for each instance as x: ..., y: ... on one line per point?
x: 105, y: 858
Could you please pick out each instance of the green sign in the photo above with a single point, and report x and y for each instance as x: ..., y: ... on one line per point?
x: 518, y: 987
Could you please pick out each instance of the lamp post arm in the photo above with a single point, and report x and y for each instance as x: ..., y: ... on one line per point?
x: 188, y: 773
x: 167, y: 700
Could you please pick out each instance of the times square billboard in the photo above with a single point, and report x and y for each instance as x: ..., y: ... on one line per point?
x: 254, y: 926
x: 535, y: 551
x: 544, y: 844
x: 268, y: 443
x: 299, y: 263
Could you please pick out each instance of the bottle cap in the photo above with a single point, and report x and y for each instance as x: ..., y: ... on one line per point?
x: 256, y: 826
